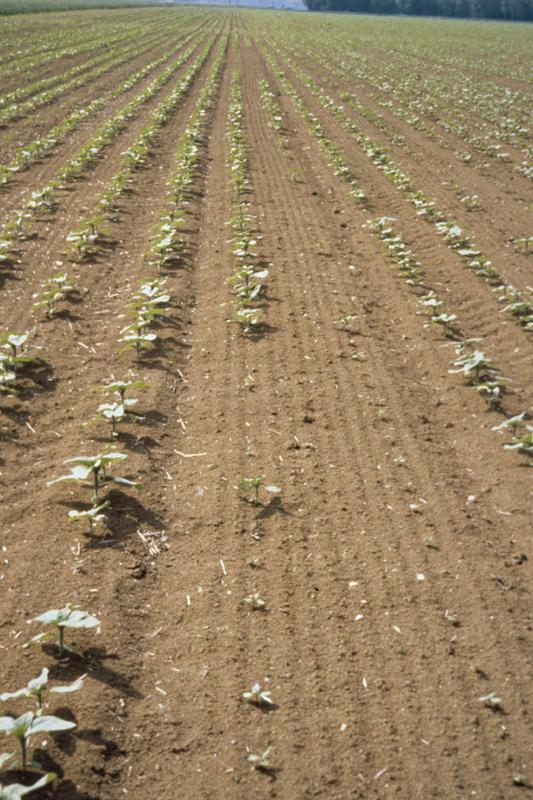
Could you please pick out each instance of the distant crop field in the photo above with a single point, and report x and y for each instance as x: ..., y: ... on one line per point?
x: 266, y: 426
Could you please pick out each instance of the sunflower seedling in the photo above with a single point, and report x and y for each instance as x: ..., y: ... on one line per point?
x: 25, y: 726
x: 249, y: 484
x: 93, y: 516
x: 55, y: 290
x: 255, y: 601
x: 60, y: 618
x: 7, y: 380
x: 346, y: 320
x: 512, y: 424
x: 15, y: 791
x: 523, y: 443
x: 121, y: 387
x: 492, y: 701
x: 249, y: 383
x: 260, y: 760
x: 258, y: 696
x: 94, y: 467
x: 114, y: 413
x: 138, y: 342
x: 39, y: 688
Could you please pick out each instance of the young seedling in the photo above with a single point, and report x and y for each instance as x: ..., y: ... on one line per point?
x: 260, y: 761
x: 247, y: 318
x: 55, y: 290
x: 492, y: 391
x: 68, y: 617
x: 255, y: 601
x: 446, y: 320
x: 15, y: 791
x: 95, y: 467
x: 7, y: 380
x: 346, y: 320
x: 94, y: 516
x: 249, y: 383
x: 249, y: 484
x: 114, y: 413
x: 121, y: 387
x: 473, y: 365
x: 39, y: 688
x: 138, y: 342
x: 25, y: 726
x: 512, y: 424
x: 18, y: 350
x: 523, y: 443
x: 258, y: 696
x: 492, y: 701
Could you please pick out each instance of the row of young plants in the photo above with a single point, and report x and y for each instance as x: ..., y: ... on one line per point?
x: 246, y: 282
x: 35, y: 62
x: 424, y: 100
x: 139, y: 35
x: 30, y: 152
x: 43, y: 200
x: 247, y: 278
x: 18, y: 104
x: 168, y: 243
x: 85, y: 240
x: 470, y: 362
x: 33, y: 52
x: 480, y: 372
x: 334, y: 155
x: 141, y: 313
x: 515, y: 302
x: 39, y: 692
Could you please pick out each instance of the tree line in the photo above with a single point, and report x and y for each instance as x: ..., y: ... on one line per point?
x: 476, y: 9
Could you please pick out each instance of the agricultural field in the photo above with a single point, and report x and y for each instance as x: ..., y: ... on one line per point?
x: 266, y: 425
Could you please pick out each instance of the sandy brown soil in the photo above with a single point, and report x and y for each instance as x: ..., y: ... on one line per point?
x: 395, y: 564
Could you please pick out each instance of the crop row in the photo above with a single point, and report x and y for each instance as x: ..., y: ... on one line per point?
x: 85, y: 240
x: 28, y: 153
x: 424, y: 100
x: 247, y: 278
x: 43, y: 199
x: 472, y: 363
x: 515, y: 302
x: 141, y: 313
x: 26, y: 99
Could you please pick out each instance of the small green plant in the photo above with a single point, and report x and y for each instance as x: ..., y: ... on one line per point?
x: 15, y: 791
x: 114, y: 413
x: 86, y: 467
x: 511, y: 424
x: 121, y: 387
x: 446, y: 320
x: 138, y: 342
x: 492, y: 391
x: 258, y: 696
x: 18, y: 351
x: 249, y: 383
x: 523, y: 443
x: 56, y: 289
x: 261, y: 761
x: 346, y: 320
x: 492, y: 701
x: 60, y: 618
x: 7, y: 380
x: 247, y: 319
x: 94, y: 516
x: 25, y: 726
x: 247, y: 485
x: 38, y: 688
x: 255, y: 601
